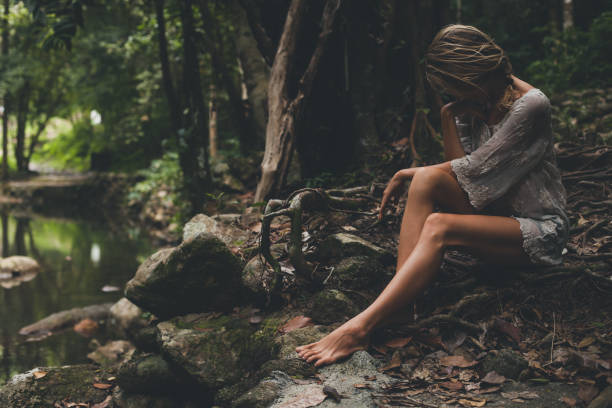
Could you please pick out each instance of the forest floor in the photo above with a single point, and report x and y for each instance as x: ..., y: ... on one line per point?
x: 547, y: 325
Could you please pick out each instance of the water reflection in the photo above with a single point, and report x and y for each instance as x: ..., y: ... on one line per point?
x: 77, y: 260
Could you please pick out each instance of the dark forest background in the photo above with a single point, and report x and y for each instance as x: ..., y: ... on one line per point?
x: 198, y: 96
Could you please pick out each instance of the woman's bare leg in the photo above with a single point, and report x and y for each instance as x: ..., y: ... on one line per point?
x: 498, y: 237
x: 428, y: 188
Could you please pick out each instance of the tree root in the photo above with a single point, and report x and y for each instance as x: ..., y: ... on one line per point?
x: 310, y: 199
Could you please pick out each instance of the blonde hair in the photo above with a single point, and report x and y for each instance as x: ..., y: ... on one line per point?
x: 461, y: 58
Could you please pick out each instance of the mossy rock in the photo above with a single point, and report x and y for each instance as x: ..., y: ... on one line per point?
x: 359, y: 272
x: 331, y: 305
x: 306, y: 335
x: 148, y: 374
x: 199, y: 275
x: 215, y: 352
x: 74, y: 383
x: 260, y: 396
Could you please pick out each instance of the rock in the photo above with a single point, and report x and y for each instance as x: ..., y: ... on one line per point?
x: 342, y: 376
x: 331, y: 305
x: 294, y: 367
x: 225, y: 227
x: 359, y: 272
x: 66, y: 318
x: 148, y: 374
x: 123, y: 399
x: 15, y: 270
x: 215, y: 351
x: 343, y: 245
x: 112, y: 352
x: 257, y: 275
x: 506, y: 362
x: 264, y: 393
x: 70, y: 383
x: 603, y: 400
x: 306, y: 335
x: 126, y: 318
x: 200, y: 274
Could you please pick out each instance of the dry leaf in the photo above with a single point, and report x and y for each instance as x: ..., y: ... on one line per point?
x: 493, y: 378
x: 360, y: 386
x: 452, y: 385
x: 457, y: 361
x: 39, y: 374
x: 255, y: 319
x: 111, y: 378
x: 412, y: 393
x: 296, y: 323
x: 569, y: 401
x: 451, y: 344
x: 86, y: 327
x: 398, y: 342
x: 472, y: 403
x: 587, y: 341
x: 587, y: 392
x: 395, y: 362
x: 102, y: 386
x: 512, y: 395
x: 509, y: 329
x: 310, y: 397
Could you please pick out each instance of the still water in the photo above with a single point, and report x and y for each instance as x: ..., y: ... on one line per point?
x: 78, y: 259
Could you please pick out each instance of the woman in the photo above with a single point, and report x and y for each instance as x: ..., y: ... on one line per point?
x: 502, y: 201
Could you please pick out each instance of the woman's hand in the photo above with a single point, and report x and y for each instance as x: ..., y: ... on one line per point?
x: 462, y: 108
x: 395, y: 187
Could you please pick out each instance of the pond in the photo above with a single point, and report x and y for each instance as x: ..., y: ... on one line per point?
x: 78, y: 260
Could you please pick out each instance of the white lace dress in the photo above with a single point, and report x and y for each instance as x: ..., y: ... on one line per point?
x: 510, y: 169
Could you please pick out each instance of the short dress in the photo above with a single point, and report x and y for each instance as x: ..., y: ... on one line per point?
x: 510, y: 170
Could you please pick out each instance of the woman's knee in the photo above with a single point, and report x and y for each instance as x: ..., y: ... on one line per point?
x: 436, y: 228
x: 427, y: 180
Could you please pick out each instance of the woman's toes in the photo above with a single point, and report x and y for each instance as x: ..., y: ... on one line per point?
x: 312, y: 357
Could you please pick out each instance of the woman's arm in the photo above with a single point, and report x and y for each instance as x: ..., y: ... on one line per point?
x: 450, y: 137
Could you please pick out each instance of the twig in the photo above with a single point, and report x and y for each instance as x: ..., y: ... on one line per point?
x: 552, y: 342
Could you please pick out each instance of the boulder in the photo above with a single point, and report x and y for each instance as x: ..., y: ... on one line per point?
x: 126, y: 318
x: 215, y: 351
x: 45, y: 386
x: 331, y: 305
x: 343, y: 245
x: 224, y: 226
x: 359, y: 272
x: 200, y: 274
x: 148, y: 374
x: 66, y: 318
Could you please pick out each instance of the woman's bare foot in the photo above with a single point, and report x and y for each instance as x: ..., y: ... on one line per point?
x: 342, y: 342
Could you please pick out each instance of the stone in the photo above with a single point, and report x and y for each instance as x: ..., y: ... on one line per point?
x: 72, y: 382
x: 344, y: 245
x: 603, y: 400
x: 146, y: 373
x: 299, y: 337
x: 359, y: 272
x: 200, y: 274
x: 123, y: 399
x: 258, y: 275
x: 15, y: 270
x: 66, y: 318
x: 224, y: 226
x: 126, y: 318
x: 215, y: 351
x: 342, y: 376
x: 112, y: 352
x: 505, y: 362
x: 331, y: 305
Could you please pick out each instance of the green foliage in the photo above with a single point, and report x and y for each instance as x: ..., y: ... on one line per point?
x: 162, y: 173
x: 72, y: 148
x: 576, y: 58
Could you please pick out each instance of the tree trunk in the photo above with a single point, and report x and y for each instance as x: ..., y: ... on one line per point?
x: 568, y: 14
x: 264, y: 43
x: 193, y: 151
x: 284, y: 111
x: 212, y: 121
x: 6, y: 101
x: 34, y: 140
x: 173, y: 105
x: 23, y: 100
x: 256, y: 72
